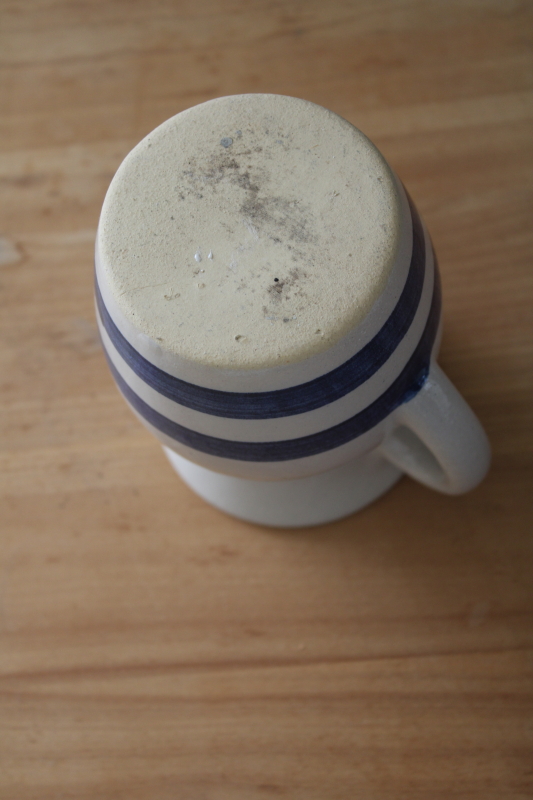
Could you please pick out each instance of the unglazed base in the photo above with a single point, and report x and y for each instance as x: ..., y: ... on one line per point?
x: 293, y: 503
x: 250, y: 232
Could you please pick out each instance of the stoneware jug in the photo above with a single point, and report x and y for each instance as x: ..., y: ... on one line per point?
x: 269, y: 305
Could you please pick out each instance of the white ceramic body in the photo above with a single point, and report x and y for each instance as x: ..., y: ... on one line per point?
x: 372, y: 406
x: 311, y: 500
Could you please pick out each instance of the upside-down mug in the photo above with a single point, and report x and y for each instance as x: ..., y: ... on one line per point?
x: 269, y: 305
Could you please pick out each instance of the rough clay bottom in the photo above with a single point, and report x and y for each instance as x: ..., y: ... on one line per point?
x: 250, y: 231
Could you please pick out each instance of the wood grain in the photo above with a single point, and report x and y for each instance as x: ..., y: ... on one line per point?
x: 151, y: 647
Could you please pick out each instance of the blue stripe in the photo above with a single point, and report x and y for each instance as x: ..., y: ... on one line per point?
x: 406, y: 385
x: 295, y: 399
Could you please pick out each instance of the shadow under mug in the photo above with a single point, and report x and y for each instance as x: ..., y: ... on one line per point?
x: 315, y: 440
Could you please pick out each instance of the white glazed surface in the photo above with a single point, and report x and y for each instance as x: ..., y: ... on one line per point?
x: 312, y: 500
x: 437, y: 439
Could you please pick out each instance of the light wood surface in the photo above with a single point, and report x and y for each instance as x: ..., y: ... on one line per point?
x: 153, y: 648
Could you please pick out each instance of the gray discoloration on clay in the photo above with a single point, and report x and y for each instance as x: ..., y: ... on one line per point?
x: 299, y: 208
x: 292, y: 286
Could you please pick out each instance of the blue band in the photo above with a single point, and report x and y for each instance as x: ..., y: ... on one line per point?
x: 406, y: 385
x: 295, y: 399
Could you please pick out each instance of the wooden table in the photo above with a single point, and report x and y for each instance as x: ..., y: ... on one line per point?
x: 150, y: 646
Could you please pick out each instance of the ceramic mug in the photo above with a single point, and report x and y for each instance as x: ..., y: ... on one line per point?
x: 269, y: 305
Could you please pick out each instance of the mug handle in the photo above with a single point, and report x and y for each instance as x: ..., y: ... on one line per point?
x: 437, y: 438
